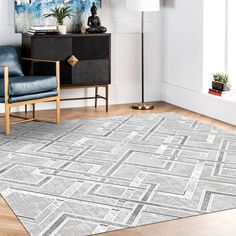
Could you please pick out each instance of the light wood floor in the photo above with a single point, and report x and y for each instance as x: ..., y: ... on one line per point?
x: 9, y: 224
x: 216, y: 224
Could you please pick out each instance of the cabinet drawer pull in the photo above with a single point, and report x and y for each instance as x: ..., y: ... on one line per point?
x: 73, y: 60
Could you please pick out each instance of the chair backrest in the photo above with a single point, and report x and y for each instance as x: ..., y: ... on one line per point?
x: 9, y: 57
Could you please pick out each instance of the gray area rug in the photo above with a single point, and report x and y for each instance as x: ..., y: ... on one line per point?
x: 95, y: 175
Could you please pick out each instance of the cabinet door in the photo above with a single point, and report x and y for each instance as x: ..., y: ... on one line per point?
x: 92, y: 47
x: 53, y: 48
x: 91, y: 72
x: 93, y: 53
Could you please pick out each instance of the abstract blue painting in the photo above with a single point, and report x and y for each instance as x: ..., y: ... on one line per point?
x: 30, y: 13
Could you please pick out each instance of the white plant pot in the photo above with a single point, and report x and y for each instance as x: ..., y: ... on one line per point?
x: 61, y: 29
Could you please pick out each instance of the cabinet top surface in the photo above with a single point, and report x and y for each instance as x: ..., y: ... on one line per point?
x: 68, y: 35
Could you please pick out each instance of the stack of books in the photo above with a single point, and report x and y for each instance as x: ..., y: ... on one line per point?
x: 221, y: 93
x: 43, y: 30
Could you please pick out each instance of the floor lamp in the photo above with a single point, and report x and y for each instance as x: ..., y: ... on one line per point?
x: 143, y: 6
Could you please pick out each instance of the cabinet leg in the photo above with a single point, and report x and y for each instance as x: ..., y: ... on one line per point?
x: 107, y: 97
x: 33, y: 111
x: 58, y: 111
x: 96, y: 97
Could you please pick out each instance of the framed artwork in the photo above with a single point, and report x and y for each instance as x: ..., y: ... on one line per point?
x: 30, y: 13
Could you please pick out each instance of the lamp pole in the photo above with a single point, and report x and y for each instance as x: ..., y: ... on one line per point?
x: 143, y: 105
x: 142, y: 43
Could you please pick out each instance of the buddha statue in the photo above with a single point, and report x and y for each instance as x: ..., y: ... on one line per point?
x: 94, y: 22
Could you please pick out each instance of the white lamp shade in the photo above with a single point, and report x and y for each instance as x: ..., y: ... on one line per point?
x: 143, y: 5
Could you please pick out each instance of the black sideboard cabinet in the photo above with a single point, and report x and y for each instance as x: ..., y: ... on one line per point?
x: 85, y: 58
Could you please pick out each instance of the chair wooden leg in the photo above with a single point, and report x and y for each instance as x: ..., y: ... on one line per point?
x: 58, y: 116
x: 26, y: 109
x: 7, y: 119
x: 96, y: 97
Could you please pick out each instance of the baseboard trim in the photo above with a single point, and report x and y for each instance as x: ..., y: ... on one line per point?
x: 215, y: 107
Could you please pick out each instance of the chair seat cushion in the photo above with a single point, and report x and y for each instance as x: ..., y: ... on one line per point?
x: 28, y: 97
x: 26, y: 85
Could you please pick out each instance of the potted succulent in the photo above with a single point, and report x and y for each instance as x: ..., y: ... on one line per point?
x: 221, y: 82
x: 60, y: 14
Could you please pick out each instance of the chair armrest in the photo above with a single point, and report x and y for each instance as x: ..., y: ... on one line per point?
x: 38, y: 60
x: 5, y: 72
x: 6, y: 82
x: 57, y: 63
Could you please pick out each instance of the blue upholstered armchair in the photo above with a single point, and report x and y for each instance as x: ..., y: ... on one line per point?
x: 16, y: 89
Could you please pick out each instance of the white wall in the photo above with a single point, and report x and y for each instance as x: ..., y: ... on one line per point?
x: 7, y: 35
x: 194, y: 49
x: 126, y: 57
x: 231, y: 42
x: 183, y: 42
x: 214, y: 40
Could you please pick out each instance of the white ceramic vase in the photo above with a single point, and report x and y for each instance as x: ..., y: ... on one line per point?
x: 61, y: 29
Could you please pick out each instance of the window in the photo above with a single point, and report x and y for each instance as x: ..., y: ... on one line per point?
x: 230, y: 59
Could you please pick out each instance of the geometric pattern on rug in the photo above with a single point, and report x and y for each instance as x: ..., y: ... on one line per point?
x: 94, y: 175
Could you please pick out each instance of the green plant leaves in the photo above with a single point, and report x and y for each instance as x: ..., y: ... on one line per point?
x: 60, y: 13
x: 222, y: 78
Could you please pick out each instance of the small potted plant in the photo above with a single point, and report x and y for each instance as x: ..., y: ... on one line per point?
x: 221, y: 82
x: 60, y: 14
